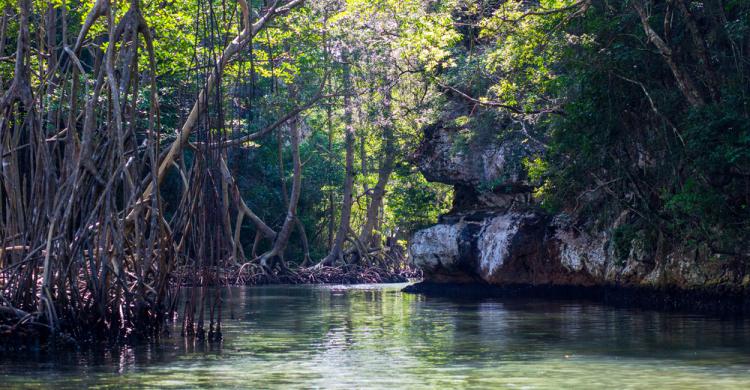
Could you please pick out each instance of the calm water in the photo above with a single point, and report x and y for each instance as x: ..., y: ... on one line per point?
x: 374, y: 336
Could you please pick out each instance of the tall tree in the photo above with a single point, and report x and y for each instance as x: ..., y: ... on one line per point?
x: 336, y: 252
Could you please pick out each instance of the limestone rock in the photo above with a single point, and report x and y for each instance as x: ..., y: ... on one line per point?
x: 435, y: 247
x: 496, y: 235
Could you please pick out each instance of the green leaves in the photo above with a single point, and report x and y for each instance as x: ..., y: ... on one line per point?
x: 413, y: 203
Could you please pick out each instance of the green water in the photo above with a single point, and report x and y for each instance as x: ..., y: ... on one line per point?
x: 374, y: 336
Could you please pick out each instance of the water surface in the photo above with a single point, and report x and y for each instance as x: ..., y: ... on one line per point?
x: 374, y: 336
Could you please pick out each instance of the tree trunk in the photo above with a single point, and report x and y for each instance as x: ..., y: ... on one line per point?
x: 336, y: 252
x: 684, y: 81
x: 384, y: 173
x: 3, y: 30
x: 701, y: 51
x: 331, y: 209
x: 297, y: 223
x: 235, y: 46
x: 282, y: 239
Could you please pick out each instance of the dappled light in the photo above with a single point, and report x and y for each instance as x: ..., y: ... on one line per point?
x: 159, y: 157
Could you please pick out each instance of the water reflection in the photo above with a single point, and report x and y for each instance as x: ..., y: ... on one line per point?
x: 377, y: 337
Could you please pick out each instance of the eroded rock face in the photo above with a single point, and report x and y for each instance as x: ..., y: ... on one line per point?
x: 488, y: 166
x: 530, y: 247
x: 500, y: 237
x: 494, y: 242
x: 505, y: 248
x: 436, y: 247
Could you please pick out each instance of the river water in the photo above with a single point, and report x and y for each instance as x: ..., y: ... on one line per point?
x: 375, y: 336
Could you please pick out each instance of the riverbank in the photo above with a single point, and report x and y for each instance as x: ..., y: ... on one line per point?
x: 717, y: 301
x: 29, y: 330
x: 347, y: 274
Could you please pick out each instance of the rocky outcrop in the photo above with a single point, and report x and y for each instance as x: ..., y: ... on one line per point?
x: 453, y: 155
x: 496, y: 235
x: 485, y: 169
x: 530, y: 247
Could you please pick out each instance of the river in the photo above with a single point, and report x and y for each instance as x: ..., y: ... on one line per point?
x: 375, y: 336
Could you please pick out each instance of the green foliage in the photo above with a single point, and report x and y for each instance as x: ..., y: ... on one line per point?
x: 623, y: 136
x: 536, y: 168
x: 622, y: 239
x: 416, y: 203
x: 524, y: 51
x: 580, y: 78
x: 539, y: 174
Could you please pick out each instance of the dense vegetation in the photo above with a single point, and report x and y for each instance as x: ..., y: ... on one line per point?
x: 153, y: 145
x: 149, y: 145
x: 641, y: 107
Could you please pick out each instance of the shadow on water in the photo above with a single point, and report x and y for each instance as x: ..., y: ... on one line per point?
x: 376, y: 336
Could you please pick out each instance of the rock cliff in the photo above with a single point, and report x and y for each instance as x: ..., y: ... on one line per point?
x: 496, y: 235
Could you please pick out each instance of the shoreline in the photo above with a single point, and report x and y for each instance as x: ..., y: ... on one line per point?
x: 718, y: 301
x: 350, y: 274
x: 16, y: 333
